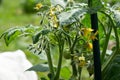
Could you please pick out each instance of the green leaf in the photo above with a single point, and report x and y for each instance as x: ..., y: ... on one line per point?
x: 39, y: 68
x: 16, y: 32
x: 35, y: 38
x: 58, y: 2
x: 85, y: 74
x: 116, y: 13
x: 70, y: 16
x: 43, y: 56
x: 45, y: 31
x: 52, y: 39
x: 65, y: 73
x: 30, y: 29
x: 11, y: 35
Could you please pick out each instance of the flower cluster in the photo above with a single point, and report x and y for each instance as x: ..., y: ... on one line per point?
x: 54, y: 10
x: 88, y: 34
x: 53, y: 17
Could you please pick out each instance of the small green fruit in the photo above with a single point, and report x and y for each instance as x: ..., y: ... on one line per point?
x: 66, y: 55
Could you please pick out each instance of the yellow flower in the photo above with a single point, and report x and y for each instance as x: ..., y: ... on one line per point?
x: 59, y: 8
x: 54, y: 21
x: 93, y: 35
x: 38, y: 6
x: 55, y: 9
x: 53, y: 17
x: 86, y: 31
x: 55, y: 25
x: 89, y: 46
x: 82, y: 61
x: 52, y: 11
x: 82, y: 58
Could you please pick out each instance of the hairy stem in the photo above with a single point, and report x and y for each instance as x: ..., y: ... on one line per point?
x: 103, y: 27
x: 106, y: 44
x: 61, y: 47
x: 50, y: 60
x: 71, y: 47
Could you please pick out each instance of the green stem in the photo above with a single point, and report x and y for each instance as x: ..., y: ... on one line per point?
x: 79, y: 70
x: 106, y: 44
x: 61, y: 47
x: 114, y: 53
x: 117, y: 45
x: 71, y: 47
x: 114, y: 28
x: 117, y: 38
x: 102, y: 27
x: 50, y: 60
x: 104, y: 68
x: 76, y: 37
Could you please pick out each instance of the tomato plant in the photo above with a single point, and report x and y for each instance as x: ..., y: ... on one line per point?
x: 73, y: 30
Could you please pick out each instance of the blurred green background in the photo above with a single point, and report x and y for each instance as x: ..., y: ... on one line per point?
x: 12, y: 14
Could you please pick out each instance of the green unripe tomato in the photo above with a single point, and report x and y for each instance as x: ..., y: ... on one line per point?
x: 66, y: 55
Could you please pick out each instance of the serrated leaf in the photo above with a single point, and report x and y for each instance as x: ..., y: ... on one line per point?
x: 58, y: 2
x: 14, y: 32
x: 35, y: 38
x: 68, y: 17
x: 39, y: 68
x: 11, y: 35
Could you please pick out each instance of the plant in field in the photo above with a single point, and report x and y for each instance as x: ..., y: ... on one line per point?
x: 65, y: 41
